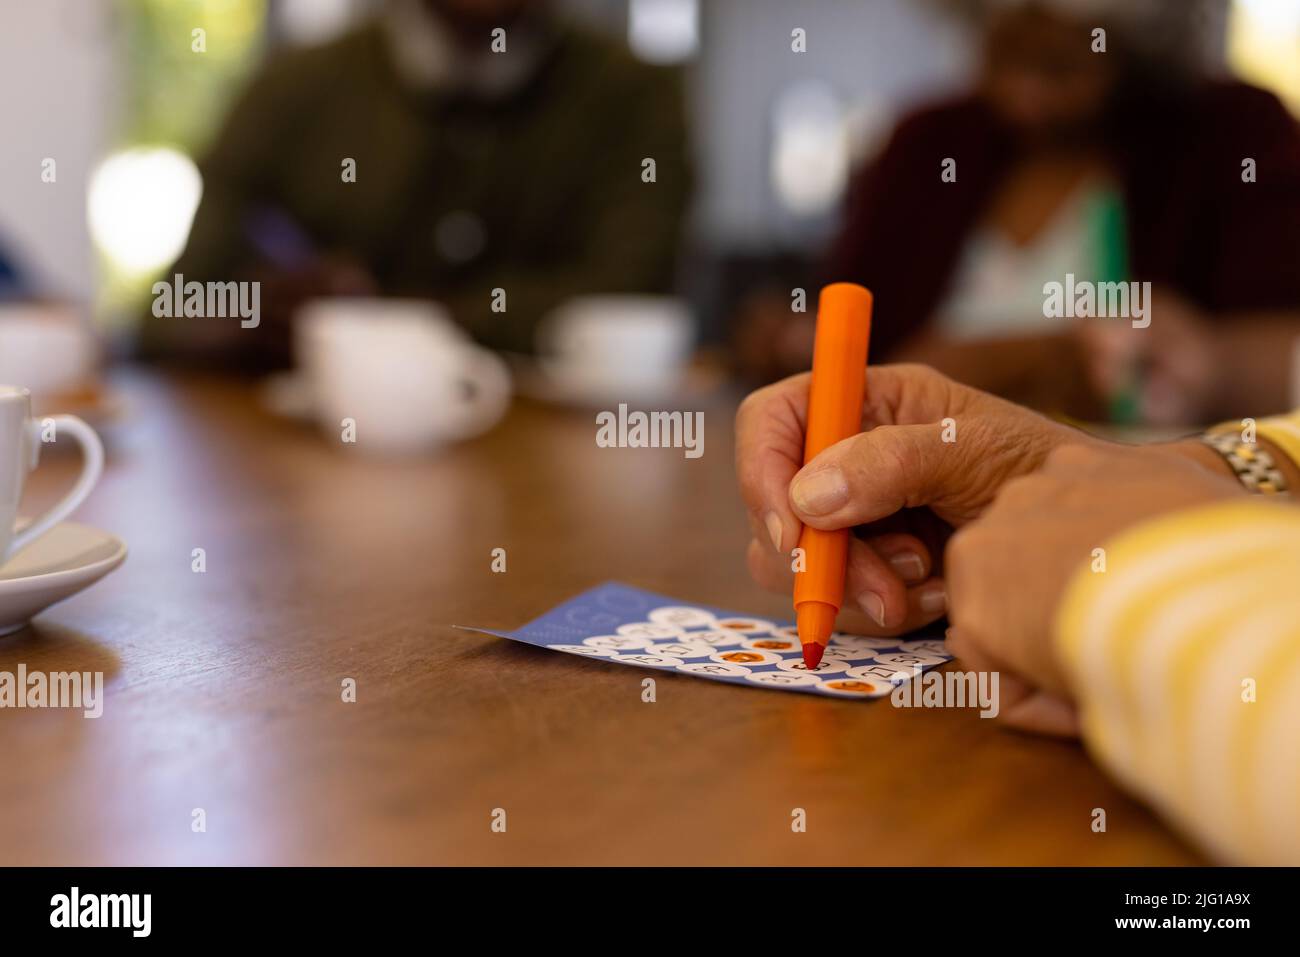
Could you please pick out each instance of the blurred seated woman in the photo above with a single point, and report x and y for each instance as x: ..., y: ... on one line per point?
x: 1070, y: 163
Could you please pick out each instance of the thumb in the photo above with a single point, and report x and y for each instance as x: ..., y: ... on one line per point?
x: 872, y: 475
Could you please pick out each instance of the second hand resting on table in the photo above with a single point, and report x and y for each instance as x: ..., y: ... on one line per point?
x: 963, y: 504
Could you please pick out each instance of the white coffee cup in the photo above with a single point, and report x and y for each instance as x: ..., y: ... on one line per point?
x: 20, y: 446
x: 401, y: 370
x: 47, y: 347
x: 630, y: 345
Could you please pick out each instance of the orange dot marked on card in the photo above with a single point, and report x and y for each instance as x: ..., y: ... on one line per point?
x: 859, y: 687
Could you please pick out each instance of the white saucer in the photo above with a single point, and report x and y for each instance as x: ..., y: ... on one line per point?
x: 548, y: 380
x: 56, y: 566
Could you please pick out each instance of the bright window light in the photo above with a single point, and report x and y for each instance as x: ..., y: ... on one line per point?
x: 810, y: 149
x: 140, y: 205
x: 313, y: 21
x: 1281, y: 15
x: 1264, y: 45
x: 664, y: 31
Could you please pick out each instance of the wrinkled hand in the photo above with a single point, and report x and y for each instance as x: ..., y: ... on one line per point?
x: 1171, y: 364
x: 770, y: 341
x: 285, y: 291
x: 899, y: 483
x: 1007, y: 571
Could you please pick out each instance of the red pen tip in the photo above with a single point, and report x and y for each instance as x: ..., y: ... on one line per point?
x: 812, y: 655
x: 816, y: 621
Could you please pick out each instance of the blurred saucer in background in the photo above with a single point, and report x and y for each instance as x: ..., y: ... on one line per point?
x: 288, y: 395
x: 555, y: 382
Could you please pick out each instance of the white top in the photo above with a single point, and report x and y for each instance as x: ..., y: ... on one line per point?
x: 997, y: 290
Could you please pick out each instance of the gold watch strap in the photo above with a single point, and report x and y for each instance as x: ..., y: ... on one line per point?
x: 1253, y: 466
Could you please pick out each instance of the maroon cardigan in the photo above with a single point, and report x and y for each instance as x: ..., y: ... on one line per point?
x: 1192, y: 223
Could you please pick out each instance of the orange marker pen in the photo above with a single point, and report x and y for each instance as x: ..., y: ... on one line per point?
x: 839, y: 383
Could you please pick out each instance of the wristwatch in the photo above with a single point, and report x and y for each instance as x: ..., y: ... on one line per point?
x: 1252, y: 465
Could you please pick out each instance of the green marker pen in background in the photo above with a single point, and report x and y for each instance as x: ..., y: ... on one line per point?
x: 1109, y: 227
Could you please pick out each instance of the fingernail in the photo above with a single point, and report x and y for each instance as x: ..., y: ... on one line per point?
x: 908, y: 565
x: 874, y: 606
x: 820, y: 492
x: 773, y: 523
x: 933, y: 598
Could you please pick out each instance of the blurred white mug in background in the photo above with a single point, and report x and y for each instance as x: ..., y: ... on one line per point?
x: 625, y: 347
x: 407, y: 376
x: 48, y: 347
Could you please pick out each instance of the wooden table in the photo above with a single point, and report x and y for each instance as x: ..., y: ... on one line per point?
x: 223, y: 689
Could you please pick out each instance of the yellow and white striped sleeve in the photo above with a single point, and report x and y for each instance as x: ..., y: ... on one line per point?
x: 1282, y: 430
x: 1184, y: 658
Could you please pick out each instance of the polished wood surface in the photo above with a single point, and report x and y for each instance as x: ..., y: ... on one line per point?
x: 223, y: 689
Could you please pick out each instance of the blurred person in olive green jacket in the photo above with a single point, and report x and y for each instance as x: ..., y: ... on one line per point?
x: 475, y: 169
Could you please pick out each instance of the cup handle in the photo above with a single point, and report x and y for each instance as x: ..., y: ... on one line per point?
x: 490, y: 380
x: 92, y: 465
